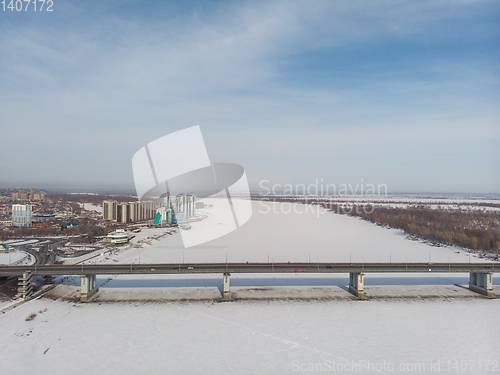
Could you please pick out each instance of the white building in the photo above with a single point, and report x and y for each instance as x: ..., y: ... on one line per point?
x: 190, y: 205
x: 21, y: 215
x: 165, y: 200
x: 180, y: 203
x: 118, y: 237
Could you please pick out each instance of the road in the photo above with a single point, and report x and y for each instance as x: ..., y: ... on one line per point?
x: 197, y: 268
x: 43, y: 253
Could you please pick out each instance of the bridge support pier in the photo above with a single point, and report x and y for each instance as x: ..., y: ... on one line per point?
x: 481, y: 283
x: 357, y: 284
x: 225, y: 288
x: 89, y: 288
x: 25, y: 286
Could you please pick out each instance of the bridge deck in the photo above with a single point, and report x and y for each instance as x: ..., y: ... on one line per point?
x: 197, y: 268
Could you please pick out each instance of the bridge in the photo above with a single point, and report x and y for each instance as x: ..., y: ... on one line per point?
x: 481, y: 274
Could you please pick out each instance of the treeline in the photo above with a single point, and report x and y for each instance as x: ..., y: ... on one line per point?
x: 90, y: 198
x: 86, y: 233
x: 474, y: 230
x: 29, y: 232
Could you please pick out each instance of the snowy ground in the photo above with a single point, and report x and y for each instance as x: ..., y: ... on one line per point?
x: 13, y: 258
x: 19, y: 242
x: 91, y: 207
x: 258, y: 337
x: 453, y: 330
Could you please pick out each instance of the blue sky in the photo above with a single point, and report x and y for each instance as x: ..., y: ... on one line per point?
x: 398, y: 93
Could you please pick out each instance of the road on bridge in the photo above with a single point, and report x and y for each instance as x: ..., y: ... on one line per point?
x: 175, y: 268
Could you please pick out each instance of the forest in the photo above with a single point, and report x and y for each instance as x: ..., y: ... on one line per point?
x: 477, y: 230
x: 470, y: 229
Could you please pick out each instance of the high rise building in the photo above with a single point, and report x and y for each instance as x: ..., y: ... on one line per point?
x: 135, y: 211
x: 190, y: 205
x: 179, y: 208
x: 109, y: 210
x: 33, y: 195
x: 21, y: 215
x: 122, y: 213
x: 148, y: 210
x: 180, y: 203
x: 163, y: 216
x: 142, y: 210
x: 165, y: 200
x: 129, y: 212
x: 23, y: 194
x: 38, y: 196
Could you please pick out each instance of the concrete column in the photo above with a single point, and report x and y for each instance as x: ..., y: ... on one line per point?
x: 25, y: 286
x: 357, y: 284
x: 481, y: 283
x: 225, y: 289
x: 89, y: 288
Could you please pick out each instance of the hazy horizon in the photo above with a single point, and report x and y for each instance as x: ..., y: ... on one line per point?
x: 131, y: 191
